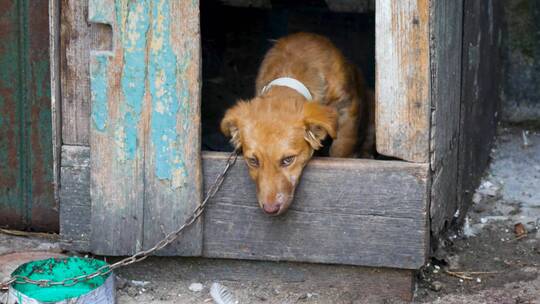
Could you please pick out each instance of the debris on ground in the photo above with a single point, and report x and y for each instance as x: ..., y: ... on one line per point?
x: 525, y: 136
x: 138, y: 283
x: 488, y: 188
x: 436, y: 286
x: 520, y: 230
x: 496, y: 258
x: 221, y: 295
x: 196, y: 287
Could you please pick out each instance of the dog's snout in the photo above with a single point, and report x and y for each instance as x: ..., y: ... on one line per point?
x: 271, y: 208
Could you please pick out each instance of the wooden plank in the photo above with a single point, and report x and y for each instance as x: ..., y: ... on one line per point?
x: 402, y: 56
x: 117, y: 155
x: 145, y: 126
x: 480, y: 101
x: 26, y: 162
x: 446, y: 37
x: 173, y: 173
x: 358, y: 212
x: 378, y: 218
x: 78, y: 37
x: 75, y: 207
x: 56, y: 107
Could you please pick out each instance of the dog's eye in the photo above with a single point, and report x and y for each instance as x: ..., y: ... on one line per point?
x: 253, y: 161
x: 287, y: 161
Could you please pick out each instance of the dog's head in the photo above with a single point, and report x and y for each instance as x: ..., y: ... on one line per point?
x: 278, y: 138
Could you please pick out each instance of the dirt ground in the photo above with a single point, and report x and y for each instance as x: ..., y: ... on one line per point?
x: 486, y: 262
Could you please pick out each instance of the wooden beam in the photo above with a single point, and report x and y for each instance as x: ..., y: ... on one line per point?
x: 357, y: 212
x: 446, y: 35
x: 173, y: 170
x: 56, y: 107
x: 480, y: 100
x: 403, y: 107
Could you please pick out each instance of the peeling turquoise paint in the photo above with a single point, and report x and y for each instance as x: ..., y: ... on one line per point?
x: 99, y: 11
x: 134, y: 39
x: 99, y: 90
x: 163, y: 71
x: 184, y: 92
x: 151, y: 70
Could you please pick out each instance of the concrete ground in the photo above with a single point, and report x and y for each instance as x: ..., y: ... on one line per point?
x: 495, y: 259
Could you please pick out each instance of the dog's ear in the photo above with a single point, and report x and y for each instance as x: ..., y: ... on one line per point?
x: 320, y: 121
x: 230, y: 123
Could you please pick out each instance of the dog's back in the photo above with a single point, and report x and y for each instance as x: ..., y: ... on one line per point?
x: 332, y: 80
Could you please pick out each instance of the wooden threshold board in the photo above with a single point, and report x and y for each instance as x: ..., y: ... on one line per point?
x: 346, y: 211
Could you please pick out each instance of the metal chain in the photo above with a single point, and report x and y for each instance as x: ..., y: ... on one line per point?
x: 141, y: 255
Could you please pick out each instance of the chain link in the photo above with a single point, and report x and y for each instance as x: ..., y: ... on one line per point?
x: 141, y: 255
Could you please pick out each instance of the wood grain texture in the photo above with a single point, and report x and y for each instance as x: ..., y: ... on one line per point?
x: 116, y: 140
x: 75, y: 207
x: 480, y: 101
x: 446, y: 37
x: 342, y: 214
x: 145, y: 126
x: 402, y: 56
x: 363, y: 224
x: 56, y: 107
x: 77, y: 38
x: 173, y: 172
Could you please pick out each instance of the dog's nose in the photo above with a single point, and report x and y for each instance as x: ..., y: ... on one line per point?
x: 271, y: 208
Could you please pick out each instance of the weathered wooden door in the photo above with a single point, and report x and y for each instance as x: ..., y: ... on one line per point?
x: 26, y: 161
x: 145, y: 125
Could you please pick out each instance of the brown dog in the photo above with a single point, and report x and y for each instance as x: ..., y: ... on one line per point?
x: 306, y: 91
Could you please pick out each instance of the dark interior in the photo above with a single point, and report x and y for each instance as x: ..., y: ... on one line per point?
x: 235, y: 39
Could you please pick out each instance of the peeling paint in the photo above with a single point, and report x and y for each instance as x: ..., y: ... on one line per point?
x: 134, y: 71
x: 99, y: 89
x: 99, y: 11
x: 167, y: 144
x: 150, y: 71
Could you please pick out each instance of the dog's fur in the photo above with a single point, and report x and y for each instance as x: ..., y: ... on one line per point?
x: 278, y: 131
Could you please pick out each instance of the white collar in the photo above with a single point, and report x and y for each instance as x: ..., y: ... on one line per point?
x: 290, y: 83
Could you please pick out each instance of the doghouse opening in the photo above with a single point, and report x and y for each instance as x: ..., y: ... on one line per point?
x: 235, y: 39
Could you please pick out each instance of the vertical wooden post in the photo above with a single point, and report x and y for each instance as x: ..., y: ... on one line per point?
x: 480, y: 101
x: 446, y: 35
x: 403, y: 107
